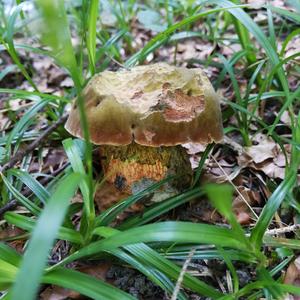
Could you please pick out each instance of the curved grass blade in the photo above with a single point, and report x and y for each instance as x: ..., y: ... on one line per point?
x: 70, y: 279
x: 42, y: 194
x: 221, y: 197
x: 7, y: 274
x: 174, y: 232
x: 163, y: 36
x: 182, y: 252
x: 28, y: 224
x: 110, y: 214
x: 9, y: 254
x: 91, y: 34
x: 32, y: 207
x: 288, y: 39
x: 279, y: 194
x: 270, y: 208
x: 23, y: 123
x: 8, y: 38
x: 29, y: 95
x: 146, y: 259
x: 204, y: 156
x: 84, y: 284
x: 56, y: 34
x: 110, y: 42
x: 43, y: 235
x: 161, y: 208
x: 286, y: 13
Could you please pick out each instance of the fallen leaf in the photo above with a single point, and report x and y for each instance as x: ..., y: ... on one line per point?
x: 265, y: 149
x: 292, y: 277
x: 67, y: 82
x: 266, y: 156
x: 245, y: 198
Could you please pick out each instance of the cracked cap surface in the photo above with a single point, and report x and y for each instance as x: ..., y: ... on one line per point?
x: 153, y: 105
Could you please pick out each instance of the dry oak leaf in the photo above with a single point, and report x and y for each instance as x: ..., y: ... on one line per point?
x: 265, y: 156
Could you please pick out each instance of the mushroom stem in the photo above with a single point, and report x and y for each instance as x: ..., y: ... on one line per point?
x: 133, y: 168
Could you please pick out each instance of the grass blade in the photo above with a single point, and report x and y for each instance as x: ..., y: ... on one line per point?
x: 279, y: 194
x: 84, y: 284
x: 91, y: 36
x: 161, y: 208
x: 8, y: 38
x: 31, y: 183
x: 163, y: 36
x: 32, y: 207
x: 44, y: 233
x: 288, y: 14
x: 142, y: 256
x: 9, y: 254
x: 28, y: 224
x: 24, y: 122
x: 178, y: 232
x: 110, y: 214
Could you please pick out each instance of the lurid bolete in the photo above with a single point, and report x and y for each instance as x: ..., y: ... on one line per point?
x: 142, y: 116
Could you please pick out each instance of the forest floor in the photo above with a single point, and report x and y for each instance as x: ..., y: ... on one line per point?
x: 259, y: 152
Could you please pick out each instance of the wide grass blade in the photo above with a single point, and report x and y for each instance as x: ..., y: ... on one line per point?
x: 7, y: 274
x: 23, y: 123
x: 91, y: 35
x: 153, y: 264
x: 160, y: 208
x: 84, y: 284
x: 31, y: 206
x: 42, y: 194
x: 9, y: 254
x: 74, y: 280
x: 111, y: 213
x: 44, y: 233
x: 182, y: 253
x: 56, y: 34
x: 172, y: 232
x: 73, y: 151
x: 28, y: 224
x: 286, y: 13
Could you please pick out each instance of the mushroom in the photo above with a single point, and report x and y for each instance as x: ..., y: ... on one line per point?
x: 142, y: 116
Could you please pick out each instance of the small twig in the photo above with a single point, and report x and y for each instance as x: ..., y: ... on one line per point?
x: 13, y: 203
x: 236, y: 189
x: 283, y: 230
x: 8, y: 206
x: 117, y: 63
x: 40, y: 140
x: 181, y: 275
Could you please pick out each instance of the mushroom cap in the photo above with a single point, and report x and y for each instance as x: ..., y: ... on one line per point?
x: 152, y: 105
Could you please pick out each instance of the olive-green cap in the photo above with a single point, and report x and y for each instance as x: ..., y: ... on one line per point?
x: 152, y: 105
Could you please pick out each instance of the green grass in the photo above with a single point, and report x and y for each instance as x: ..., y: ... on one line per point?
x: 145, y: 242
